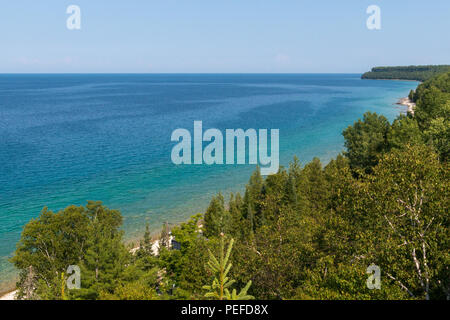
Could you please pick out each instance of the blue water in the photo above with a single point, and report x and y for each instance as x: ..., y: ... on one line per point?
x: 66, y: 139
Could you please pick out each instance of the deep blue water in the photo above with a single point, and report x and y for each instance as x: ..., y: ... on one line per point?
x: 66, y: 139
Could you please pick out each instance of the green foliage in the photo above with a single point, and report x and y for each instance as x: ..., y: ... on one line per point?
x: 365, y: 141
x: 145, y: 246
x: 164, y: 239
x: 237, y: 219
x: 404, y: 130
x: 185, y: 267
x: 131, y: 291
x: 433, y: 113
x: 407, y: 202
x: 86, y: 236
x: 187, y: 233
x: 105, y: 255
x: 217, y: 219
x: 220, y: 288
x: 441, y: 82
x: 329, y: 280
x: 419, y: 73
x: 431, y: 105
x: 438, y: 135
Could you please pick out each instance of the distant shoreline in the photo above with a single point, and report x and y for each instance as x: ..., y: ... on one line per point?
x: 412, y: 73
x: 394, y: 80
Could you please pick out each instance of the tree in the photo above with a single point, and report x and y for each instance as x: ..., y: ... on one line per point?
x: 235, y: 209
x: 407, y: 202
x: 186, y: 233
x: 48, y: 245
x: 438, y: 134
x: 130, y: 291
x: 329, y: 280
x: 419, y: 73
x: 365, y: 141
x: 184, y: 268
x: 192, y: 275
x: 313, y: 184
x: 105, y: 256
x: 145, y: 247
x: 217, y: 219
x: 85, y: 236
x: 221, y: 284
x: 164, y: 241
x: 404, y: 131
x: 431, y: 104
x: 251, y: 204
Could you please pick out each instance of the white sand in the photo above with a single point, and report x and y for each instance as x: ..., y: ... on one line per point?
x: 155, y: 247
x: 408, y: 103
x: 9, y: 296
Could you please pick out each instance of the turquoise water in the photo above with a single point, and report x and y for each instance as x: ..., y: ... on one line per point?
x: 66, y: 139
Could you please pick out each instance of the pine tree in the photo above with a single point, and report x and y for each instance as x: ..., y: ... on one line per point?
x: 165, y: 236
x: 291, y: 191
x: 235, y: 206
x: 217, y: 219
x: 106, y: 255
x: 147, y: 243
x: 222, y: 283
x: 365, y: 141
x: 250, y: 221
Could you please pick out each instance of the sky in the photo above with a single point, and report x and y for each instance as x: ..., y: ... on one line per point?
x: 221, y: 36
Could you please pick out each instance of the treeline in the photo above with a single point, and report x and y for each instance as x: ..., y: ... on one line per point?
x: 307, y: 232
x: 418, y: 73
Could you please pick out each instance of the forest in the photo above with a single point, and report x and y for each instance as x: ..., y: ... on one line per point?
x: 417, y: 73
x: 309, y: 231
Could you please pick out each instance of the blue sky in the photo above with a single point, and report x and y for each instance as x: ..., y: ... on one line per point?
x: 203, y: 36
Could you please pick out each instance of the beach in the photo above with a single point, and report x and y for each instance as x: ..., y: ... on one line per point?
x: 409, y: 104
x: 9, y: 296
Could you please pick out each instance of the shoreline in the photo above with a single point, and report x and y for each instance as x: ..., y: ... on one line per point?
x: 393, y: 80
x: 408, y: 103
x: 9, y: 296
x: 8, y: 286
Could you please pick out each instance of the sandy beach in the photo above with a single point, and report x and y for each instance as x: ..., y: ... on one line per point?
x: 408, y: 103
x: 9, y: 296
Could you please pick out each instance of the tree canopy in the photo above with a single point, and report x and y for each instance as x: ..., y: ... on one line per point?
x: 418, y: 73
